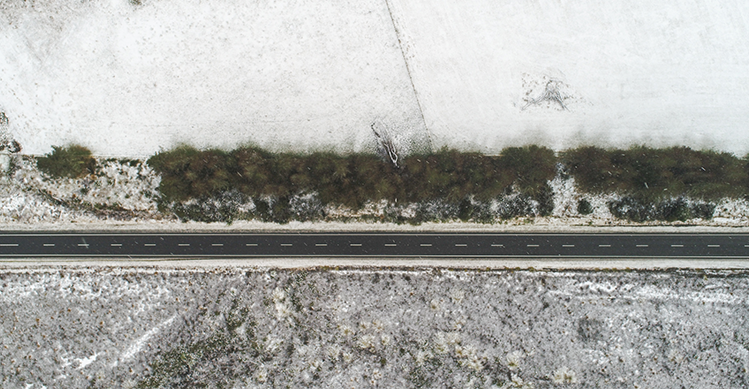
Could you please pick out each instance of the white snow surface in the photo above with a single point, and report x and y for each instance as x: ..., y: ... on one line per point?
x: 630, y: 71
x: 127, y: 79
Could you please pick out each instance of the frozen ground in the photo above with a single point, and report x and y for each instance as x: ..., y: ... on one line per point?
x: 356, y: 328
x: 127, y: 77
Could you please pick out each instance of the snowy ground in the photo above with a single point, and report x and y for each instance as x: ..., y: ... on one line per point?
x: 127, y: 77
x: 103, y: 327
x: 629, y: 72
x: 120, y: 190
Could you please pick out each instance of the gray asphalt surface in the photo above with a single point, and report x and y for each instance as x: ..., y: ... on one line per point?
x: 425, y: 245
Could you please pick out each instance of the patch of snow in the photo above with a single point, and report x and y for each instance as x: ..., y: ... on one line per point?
x: 564, y: 375
x: 565, y: 197
x: 732, y: 212
x: 137, y: 346
x: 650, y: 292
x: 83, y: 362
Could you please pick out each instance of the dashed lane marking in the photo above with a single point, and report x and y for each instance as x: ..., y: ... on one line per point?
x: 461, y: 245
x: 355, y: 244
x: 713, y: 245
x: 116, y: 244
x: 321, y: 244
x: 641, y: 245
x: 568, y: 245
x: 49, y: 245
x: 8, y: 244
x: 251, y: 245
x: 149, y: 244
x: 531, y: 245
x: 426, y: 245
x: 677, y: 245
x: 183, y: 244
x: 604, y: 245
x: 390, y: 245
x: 82, y: 244
x: 286, y: 244
x: 217, y: 244
x: 497, y: 245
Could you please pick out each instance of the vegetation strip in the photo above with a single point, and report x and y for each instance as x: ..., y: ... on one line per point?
x: 675, y: 183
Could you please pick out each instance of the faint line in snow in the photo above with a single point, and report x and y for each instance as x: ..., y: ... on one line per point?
x: 138, y: 345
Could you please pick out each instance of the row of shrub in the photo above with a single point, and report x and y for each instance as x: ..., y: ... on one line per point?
x: 446, y: 184
x: 353, y: 179
x: 654, y: 174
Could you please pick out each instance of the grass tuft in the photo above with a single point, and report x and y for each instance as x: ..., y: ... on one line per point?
x: 70, y: 161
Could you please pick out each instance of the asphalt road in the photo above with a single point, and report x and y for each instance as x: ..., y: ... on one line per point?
x: 427, y: 245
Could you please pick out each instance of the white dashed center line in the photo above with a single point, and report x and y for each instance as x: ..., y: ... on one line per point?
x: 80, y: 242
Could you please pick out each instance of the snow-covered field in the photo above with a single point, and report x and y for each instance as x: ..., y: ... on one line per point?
x: 127, y: 77
x: 629, y: 71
